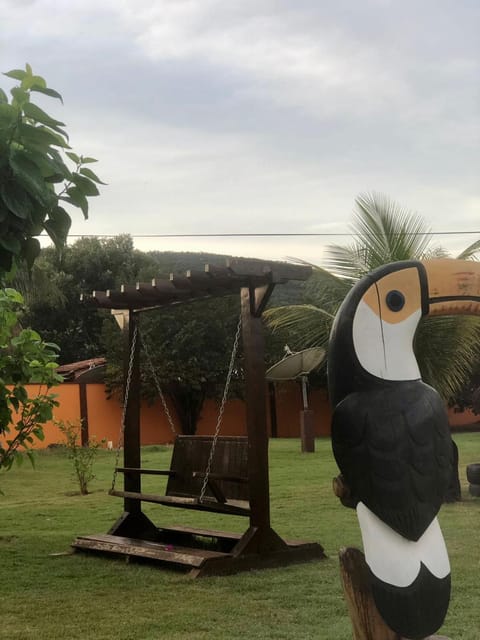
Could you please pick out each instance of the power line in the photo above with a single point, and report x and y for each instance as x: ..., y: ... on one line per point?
x: 255, y: 235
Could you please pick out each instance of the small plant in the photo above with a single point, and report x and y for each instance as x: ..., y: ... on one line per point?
x: 82, y: 457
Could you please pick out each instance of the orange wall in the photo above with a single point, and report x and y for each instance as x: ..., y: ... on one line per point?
x: 104, y: 415
x: 458, y: 419
x: 289, y: 403
x: 68, y: 410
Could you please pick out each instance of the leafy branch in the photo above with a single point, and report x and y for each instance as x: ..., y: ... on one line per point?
x: 24, y: 359
x: 35, y: 178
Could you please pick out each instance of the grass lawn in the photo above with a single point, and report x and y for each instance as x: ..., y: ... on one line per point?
x: 80, y: 596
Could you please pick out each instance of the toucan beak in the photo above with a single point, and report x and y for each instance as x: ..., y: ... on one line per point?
x: 453, y: 287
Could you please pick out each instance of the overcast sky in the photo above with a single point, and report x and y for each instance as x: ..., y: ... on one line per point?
x: 258, y: 116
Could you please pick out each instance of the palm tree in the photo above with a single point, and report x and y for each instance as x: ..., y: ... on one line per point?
x: 446, y: 348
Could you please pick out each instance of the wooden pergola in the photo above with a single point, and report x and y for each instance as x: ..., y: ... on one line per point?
x: 134, y: 535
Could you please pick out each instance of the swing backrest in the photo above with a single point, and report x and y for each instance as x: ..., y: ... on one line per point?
x: 190, y: 459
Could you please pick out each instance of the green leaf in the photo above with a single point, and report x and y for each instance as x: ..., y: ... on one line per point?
x: 16, y: 199
x: 73, y: 156
x: 8, y: 115
x: 3, y: 96
x: 14, y: 295
x: 51, y: 165
x: 55, y: 178
x: 30, y: 177
x: 16, y: 74
x: 78, y: 199
x: 87, y: 160
x: 6, y: 259
x: 20, y: 97
x: 57, y: 226
x: 86, y: 186
x: 85, y: 171
x: 46, y: 91
x: 30, y: 80
x: 35, y: 113
x: 59, y: 139
x: 30, y: 251
x: 10, y: 243
x: 38, y: 138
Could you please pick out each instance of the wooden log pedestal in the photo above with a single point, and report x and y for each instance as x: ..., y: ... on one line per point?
x: 366, y: 621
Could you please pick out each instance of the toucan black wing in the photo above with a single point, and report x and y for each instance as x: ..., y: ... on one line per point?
x: 393, y: 446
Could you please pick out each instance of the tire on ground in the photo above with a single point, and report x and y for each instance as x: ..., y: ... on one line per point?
x: 474, y: 490
x: 473, y: 473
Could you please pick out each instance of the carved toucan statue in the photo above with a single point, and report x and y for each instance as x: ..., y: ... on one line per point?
x: 390, y: 432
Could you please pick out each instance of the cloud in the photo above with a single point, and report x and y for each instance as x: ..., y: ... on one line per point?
x: 265, y: 114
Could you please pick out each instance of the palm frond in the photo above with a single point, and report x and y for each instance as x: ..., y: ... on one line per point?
x: 310, y: 323
x: 348, y: 263
x: 387, y: 231
x: 447, y: 349
x: 471, y: 252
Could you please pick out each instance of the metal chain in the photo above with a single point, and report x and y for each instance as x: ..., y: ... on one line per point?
x: 157, y: 386
x: 125, y: 403
x: 222, y: 409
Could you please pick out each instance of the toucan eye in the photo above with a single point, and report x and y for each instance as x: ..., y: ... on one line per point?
x: 395, y: 300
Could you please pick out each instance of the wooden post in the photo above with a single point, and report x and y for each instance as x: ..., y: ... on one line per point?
x: 253, y: 349
x: 273, y: 410
x: 131, y: 438
x: 366, y: 621
x: 84, y: 436
x: 307, y: 431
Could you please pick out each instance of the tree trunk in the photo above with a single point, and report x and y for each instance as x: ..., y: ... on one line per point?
x: 188, y: 405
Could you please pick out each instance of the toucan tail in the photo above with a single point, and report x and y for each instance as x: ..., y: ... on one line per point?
x: 416, y: 611
x: 410, y: 579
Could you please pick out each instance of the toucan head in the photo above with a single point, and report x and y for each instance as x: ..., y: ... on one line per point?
x: 377, y: 321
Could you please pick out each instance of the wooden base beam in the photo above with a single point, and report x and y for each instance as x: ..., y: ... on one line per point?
x: 204, y: 552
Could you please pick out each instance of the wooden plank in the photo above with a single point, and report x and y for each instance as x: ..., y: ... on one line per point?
x: 279, y: 558
x: 220, y: 476
x: 232, y: 507
x: 190, y: 459
x: 149, y: 544
x: 153, y: 472
x: 206, y: 533
x: 134, y: 547
x: 277, y: 272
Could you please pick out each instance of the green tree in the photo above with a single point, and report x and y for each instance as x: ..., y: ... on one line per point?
x: 85, y: 265
x: 189, y: 350
x: 35, y: 181
x: 446, y: 348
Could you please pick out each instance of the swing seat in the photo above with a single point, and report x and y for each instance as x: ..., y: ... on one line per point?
x: 227, y: 482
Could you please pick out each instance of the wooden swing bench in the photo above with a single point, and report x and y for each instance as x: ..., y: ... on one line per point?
x: 234, y: 480
x: 226, y: 484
